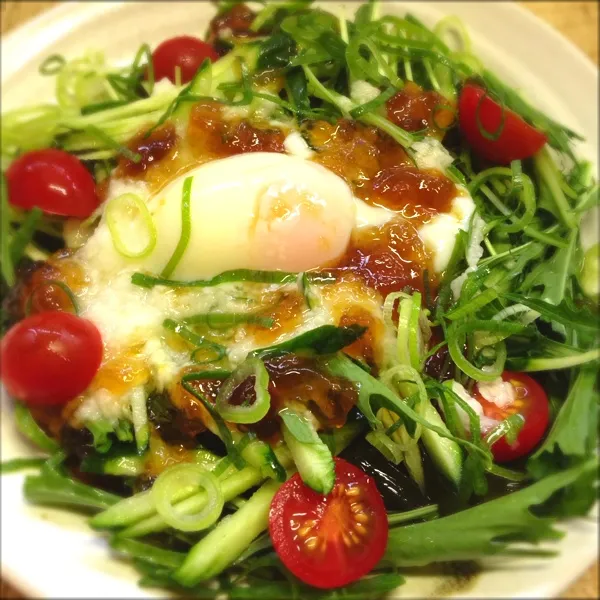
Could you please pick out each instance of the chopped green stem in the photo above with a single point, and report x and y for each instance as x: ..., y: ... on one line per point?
x: 548, y: 172
x: 248, y: 275
x: 425, y: 512
x: 20, y: 464
x: 186, y: 229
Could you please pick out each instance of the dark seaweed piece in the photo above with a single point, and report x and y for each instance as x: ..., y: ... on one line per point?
x: 171, y: 423
x: 399, y: 491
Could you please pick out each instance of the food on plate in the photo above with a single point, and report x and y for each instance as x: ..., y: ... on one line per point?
x: 301, y: 303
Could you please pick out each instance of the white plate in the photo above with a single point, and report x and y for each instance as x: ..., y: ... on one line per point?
x: 51, y: 553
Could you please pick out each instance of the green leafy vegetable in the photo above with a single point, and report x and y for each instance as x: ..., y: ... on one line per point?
x: 322, y: 340
x: 53, y: 486
x: 573, y: 436
x: 27, y: 425
x: 20, y: 464
x: 484, y: 529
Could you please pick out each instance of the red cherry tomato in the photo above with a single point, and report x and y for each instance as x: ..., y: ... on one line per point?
x: 517, y: 139
x: 532, y: 403
x: 55, y: 181
x: 185, y: 52
x: 329, y: 541
x: 50, y: 358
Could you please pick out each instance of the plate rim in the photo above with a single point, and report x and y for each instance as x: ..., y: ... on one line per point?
x: 62, y: 10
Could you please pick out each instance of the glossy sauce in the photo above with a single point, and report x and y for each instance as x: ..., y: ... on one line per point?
x: 388, y: 258
x: 161, y: 455
x: 293, y: 380
x: 121, y: 371
x: 385, y: 259
x: 209, y: 136
x: 414, y: 109
x: 39, y: 293
x: 236, y: 21
x: 209, y: 132
x: 392, y: 257
x: 151, y: 148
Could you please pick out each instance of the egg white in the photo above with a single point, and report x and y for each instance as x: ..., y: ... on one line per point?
x: 230, y: 206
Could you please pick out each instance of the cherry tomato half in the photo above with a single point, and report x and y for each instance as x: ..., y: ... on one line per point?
x: 329, y: 541
x: 530, y: 401
x: 50, y: 358
x: 55, y: 181
x: 517, y: 139
x: 185, y: 52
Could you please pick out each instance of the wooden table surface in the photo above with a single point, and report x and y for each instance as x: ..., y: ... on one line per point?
x: 578, y: 21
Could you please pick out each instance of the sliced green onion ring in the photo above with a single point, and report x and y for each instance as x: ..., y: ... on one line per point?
x: 207, y: 353
x: 508, y: 428
x: 390, y: 449
x: 186, y: 229
x: 409, y: 343
x: 222, y: 430
x: 51, y: 283
x: 97, y: 133
x: 259, y: 408
x: 456, y: 336
x: 490, y: 135
x: 191, y: 476
x: 415, y: 338
x: 453, y: 25
x: 213, y: 352
x: 405, y: 380
x: 29, y: 428
x: 388, y: 307
x: 52, y: 65
x: 128, y: 218
x: 371, y: 105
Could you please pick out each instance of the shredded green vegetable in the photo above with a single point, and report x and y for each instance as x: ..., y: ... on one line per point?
x: 237, y: 398
x: 186, y: 229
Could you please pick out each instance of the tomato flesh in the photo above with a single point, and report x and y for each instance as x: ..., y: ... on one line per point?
x: 330, y: 541
x: 517, y: 140
x: 185, y: 52
x: 53, y: 180
x: 532, y: 403
x: 50, y: 358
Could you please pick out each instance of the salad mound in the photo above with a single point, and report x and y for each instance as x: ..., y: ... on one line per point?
x: 302, y: 304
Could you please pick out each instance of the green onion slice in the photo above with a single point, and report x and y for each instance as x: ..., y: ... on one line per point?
x: 409, y: 342
x: 224, y: 431
x: 456, y: 337
x: 392, y: 451
x: 131, y: 226
x: 28, y: 427
x: 218, y: 320
x: 24, y: 235
x: 206, y: 351
x: 112, y: 143
x: 186, y: 229
x: 509, y: 428
x: 247, y: 275
x: 490, y: 135
x: 52, y: 65
x: 245, y: 413
x: 190, y: 477
x: 47, y: 284
x: 6, y: 263
x: 20, y: 464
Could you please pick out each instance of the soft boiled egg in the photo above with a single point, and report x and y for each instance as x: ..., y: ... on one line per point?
x: 261, y: 210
